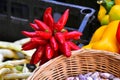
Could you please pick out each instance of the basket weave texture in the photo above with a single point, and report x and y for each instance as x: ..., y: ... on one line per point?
x: 82, y: 61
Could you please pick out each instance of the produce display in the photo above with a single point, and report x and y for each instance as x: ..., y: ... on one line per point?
x: 50, y: 38
x: 82, y: 61
x: 107, y: 38
x: 14, y: 63
x: 109, y: 11
x: 94, y: 76
x: 107, y: 34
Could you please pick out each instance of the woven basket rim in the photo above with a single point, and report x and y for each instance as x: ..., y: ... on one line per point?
x: 74, y: 53
x: 81, y: 51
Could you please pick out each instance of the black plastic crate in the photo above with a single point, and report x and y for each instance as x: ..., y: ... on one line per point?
x: 15, y: 16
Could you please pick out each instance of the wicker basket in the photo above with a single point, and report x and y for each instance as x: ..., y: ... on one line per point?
x: 81, y: 61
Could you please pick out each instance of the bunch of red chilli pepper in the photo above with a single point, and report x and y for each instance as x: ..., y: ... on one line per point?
x: 49, y: 38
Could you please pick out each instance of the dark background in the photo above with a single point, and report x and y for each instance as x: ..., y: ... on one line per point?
x: 15, y: 18
x: 88, y: 3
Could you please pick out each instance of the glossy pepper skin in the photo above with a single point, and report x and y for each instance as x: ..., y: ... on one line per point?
x: 73, y: 46
x: 65, y: 49
x: 29, y: 45
x: 95, y: 37
x: 118, y: 33
x: 39, y: 41
x: 47, y: 18
x: 29, y: 34
x: 42, y: 25
x: 60, y: 37
x: 54, y: 43
x: 107, y: 40
x: 34, y: 26
x: 49, y: 38
x: 36, y: 57
x: 47, y: 12
x: 73, y: 35
x: 44, y: 35
x: 62, y: 21
x: 49, y: 51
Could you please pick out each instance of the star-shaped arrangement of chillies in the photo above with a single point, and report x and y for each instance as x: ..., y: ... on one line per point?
x: 50, y: 38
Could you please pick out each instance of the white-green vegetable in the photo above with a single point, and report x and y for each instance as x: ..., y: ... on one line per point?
x: 25, y: 69
x: 17, y: 76
x: 7, y: 53
x: 10, y: 64
x: 5, y: 71
x: 1, y: 58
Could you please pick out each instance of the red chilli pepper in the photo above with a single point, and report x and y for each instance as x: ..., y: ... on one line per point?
x: 42, y: 25
x: 34, y: 26
x: 29, y: 45
x: 73, y: 35
x: 36, y: 57
x: 65, y: 49
x: 29, y: 34
x: 60, y: 37
x: 50, y: 21
x: 54, y: 43
x: 118, y: 33
x: 45, y: 17
x: 49, y: 51
x: 44, y: 35
x: 43, y: 60
x: 38, y: 41
x: 62, y: 21
x: 73, y: 46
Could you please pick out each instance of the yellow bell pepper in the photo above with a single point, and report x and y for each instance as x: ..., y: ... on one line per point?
x: 96, y: 36
x: 105, y: 20
x: 114, y: 13
x: 101, y: 13
x: 107, y: 38
x: 108, y: 41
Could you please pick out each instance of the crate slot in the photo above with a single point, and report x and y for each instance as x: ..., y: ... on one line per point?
x: 19, y: 10
x: 86, y: 11
x: 3, y: 7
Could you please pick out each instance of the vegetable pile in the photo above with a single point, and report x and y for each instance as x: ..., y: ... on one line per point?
x: 109, y: 11
x: 108, y: 34
x: 50, y: 38
x: 94, y: 76
x: 14, y: 63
